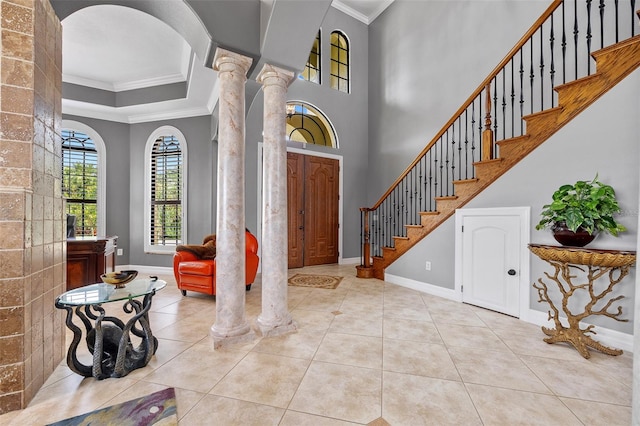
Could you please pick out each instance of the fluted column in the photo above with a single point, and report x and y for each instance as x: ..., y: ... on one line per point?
x: 231, y: 325
x: 275, y: 318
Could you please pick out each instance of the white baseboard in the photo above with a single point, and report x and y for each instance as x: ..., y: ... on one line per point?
x: 150, y: 270
x: 608, y: 337
x: 349, y: 261
x: 434, y: 290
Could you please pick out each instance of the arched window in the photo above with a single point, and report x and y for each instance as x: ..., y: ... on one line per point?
x: 311, y: 71
x: 307, y: 124
x: 339, y: 62
x: 84, y: 177
x: 165, y: 176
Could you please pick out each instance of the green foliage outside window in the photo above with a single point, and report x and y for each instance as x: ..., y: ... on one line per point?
x: 80, y: 180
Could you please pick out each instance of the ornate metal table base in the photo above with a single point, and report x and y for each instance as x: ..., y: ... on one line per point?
x: 595, y: 264
x: 108, y: 338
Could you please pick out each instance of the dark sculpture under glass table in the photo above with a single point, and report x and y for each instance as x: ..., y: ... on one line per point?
x: 108, y: 338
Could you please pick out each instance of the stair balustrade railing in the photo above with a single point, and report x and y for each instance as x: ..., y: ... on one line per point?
x: 555, y: 50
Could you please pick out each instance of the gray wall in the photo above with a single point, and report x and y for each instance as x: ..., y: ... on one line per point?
x: 602, y: 140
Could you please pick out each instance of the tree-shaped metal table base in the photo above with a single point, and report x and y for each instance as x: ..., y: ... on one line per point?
x: 594, y: 264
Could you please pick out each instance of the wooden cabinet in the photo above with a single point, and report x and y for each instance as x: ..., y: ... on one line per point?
x: 88, y: 258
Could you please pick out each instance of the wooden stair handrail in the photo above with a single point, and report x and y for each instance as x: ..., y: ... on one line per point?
x: 536, y: 25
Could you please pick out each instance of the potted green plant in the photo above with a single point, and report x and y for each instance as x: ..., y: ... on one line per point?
x: 580, y: 211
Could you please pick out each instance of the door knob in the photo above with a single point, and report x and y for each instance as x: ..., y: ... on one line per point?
x: 511, y: 272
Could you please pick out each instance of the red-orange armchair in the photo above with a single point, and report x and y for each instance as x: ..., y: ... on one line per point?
x: 199, y: 275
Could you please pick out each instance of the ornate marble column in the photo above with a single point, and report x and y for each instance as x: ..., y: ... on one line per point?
x: 275, y: 318
x: 231, y: 325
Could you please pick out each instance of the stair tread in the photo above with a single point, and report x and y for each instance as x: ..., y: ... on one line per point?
x: 619, y: 45
x: 464, y: 181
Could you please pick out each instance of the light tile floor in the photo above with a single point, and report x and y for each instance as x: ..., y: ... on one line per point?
x: 366, y: 352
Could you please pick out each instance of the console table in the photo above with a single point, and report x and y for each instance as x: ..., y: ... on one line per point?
x: 88, y: 258
x: 611, y: 265
x: 109, y: 338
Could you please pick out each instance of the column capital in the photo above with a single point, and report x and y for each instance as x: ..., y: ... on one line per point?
x: 271, y: 74
x: 224, y: 57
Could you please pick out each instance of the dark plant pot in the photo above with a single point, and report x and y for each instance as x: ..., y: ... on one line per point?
x: 567, y: 237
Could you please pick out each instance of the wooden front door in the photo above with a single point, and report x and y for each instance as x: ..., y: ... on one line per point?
x: 313, y: 185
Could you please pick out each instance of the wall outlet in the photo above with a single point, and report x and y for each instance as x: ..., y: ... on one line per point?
x: 119, y: 251
x: 427, y: 266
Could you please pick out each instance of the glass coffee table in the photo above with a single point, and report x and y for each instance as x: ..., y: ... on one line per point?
x: 108, y: 338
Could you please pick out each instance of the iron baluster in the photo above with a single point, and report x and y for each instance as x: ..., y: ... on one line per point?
x: 601, y: 8
x: 531, y: 73
x: 460, y: 148
x: 405, y: 203
x: 446, y: 162
x: 513, y: 101
x: 420, y: 177
x: 430, y: 182
x: 633, y: 8
x: 589, y: 37
x: 411, y: 194
x: 504, y: 104
x: 480, y: 125
x: 615, y: 7
x: 441, y: 163
x: 552, y: 70
x: 416, y: 201
x: 453, y: 152
x: 541, y: 70
x: 395, y: 214
x: 473, y: 134
x: 495, y: 112
x: 435, y: 169
x: 521, y: 71
x: 564, y: 48
x: 575, y: 36
x: 466, y: 143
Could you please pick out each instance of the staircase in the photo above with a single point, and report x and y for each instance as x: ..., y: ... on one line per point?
x: 438, y: 182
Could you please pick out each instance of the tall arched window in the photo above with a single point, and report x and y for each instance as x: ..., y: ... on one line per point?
x: 165, y: 195
x: 311, y: 70
x: 84, y: 177
x: 307, y: 124
x: 339, y: 79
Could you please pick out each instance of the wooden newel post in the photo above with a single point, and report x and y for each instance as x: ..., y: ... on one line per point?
x: 366, y: 247
x: 487, y: 133
x: 366, y: 269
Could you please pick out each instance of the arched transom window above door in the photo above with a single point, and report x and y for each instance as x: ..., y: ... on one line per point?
x: 307, y: 124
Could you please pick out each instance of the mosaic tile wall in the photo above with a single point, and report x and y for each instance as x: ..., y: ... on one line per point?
x: 32, y: 238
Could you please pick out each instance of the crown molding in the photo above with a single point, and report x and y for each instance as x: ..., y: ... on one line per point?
x: 350, y: 11
x: 123, y: 86
x: 82, y: 109
x: 178, y: 113
x: 367, y: 19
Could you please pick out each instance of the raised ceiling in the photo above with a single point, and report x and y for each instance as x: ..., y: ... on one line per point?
x: 124, y: 65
